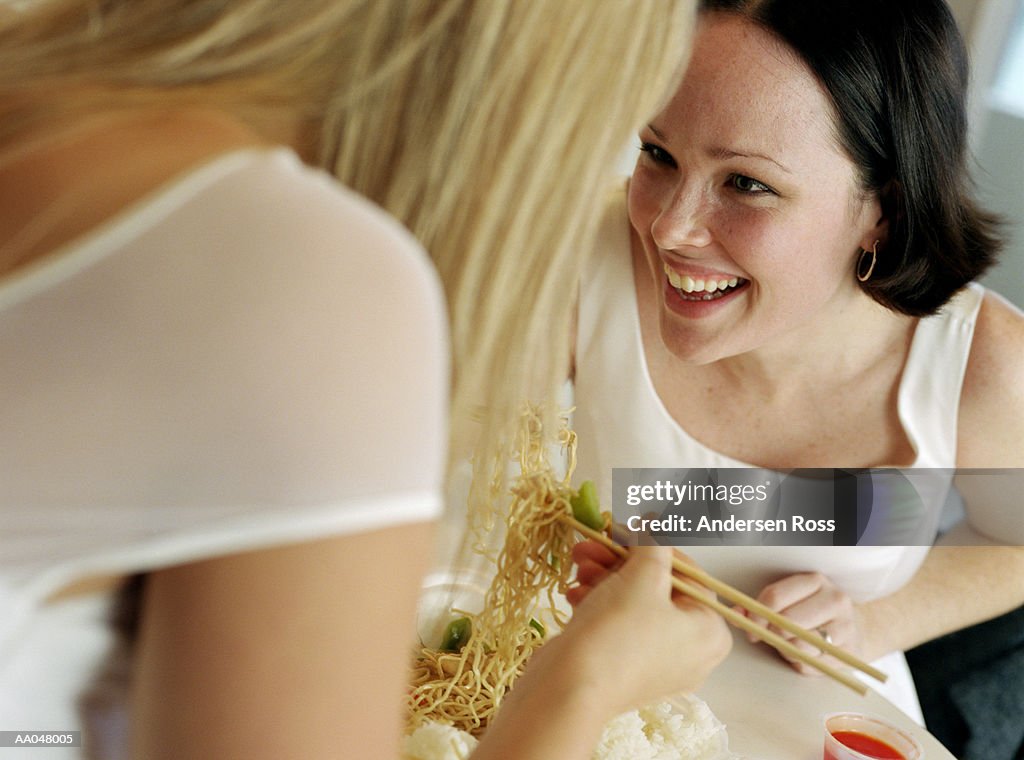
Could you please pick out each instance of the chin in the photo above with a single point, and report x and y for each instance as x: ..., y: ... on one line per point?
x: 689, y: 345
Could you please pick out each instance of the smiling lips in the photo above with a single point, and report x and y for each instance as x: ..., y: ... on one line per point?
x: 705, y: 289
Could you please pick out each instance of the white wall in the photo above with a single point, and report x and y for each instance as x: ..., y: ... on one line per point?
x: 1000, y: 179
x: 997, y: 28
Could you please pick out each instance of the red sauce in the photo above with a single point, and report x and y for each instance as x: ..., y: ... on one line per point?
x: 866, y: 745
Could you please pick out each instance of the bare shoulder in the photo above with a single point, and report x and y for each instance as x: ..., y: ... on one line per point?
x: 992, y: 403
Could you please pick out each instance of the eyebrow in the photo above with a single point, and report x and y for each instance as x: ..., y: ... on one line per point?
x: 726, y: 153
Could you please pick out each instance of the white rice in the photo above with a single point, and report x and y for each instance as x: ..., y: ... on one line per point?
x: 683, y: 730
x: 436, y: 741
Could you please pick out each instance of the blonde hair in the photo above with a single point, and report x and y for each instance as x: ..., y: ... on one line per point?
x: 488, y: 127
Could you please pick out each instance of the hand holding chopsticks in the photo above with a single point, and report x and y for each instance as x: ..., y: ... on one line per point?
x: 739, y: 620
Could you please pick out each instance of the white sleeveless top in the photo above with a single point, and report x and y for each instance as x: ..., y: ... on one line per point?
x: 621, y: 421
x: 250, y: 356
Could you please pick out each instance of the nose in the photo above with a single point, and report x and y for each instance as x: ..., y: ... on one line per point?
x: 683, y: 221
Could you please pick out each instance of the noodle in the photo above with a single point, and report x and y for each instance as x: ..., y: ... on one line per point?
x: 533, y: 568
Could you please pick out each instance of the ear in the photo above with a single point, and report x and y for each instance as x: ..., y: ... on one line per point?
x: 880, y: 209
x: 877, y: 235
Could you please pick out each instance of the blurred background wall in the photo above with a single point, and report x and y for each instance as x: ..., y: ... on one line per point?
x: 994, y: 30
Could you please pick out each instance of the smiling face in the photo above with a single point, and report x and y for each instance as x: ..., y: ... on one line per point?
x: 748, y: 212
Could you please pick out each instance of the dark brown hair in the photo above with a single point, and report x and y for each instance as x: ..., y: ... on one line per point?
x: 896, y: 72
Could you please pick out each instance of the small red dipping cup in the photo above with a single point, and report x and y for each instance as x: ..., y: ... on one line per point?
x: 855, y: 736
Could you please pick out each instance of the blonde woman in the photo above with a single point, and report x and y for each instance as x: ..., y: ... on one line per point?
x: 227, y: 372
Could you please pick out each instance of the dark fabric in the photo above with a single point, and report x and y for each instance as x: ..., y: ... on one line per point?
x: 971, y: 687
x: 991, y: 700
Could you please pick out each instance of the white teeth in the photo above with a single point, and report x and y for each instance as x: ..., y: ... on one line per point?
x: 689, y: 285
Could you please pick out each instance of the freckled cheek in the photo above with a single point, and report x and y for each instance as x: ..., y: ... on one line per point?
x: 751, y: 238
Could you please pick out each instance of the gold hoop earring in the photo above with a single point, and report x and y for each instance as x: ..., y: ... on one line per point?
x: 863, y: 276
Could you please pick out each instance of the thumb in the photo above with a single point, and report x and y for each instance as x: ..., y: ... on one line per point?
x: 649, y: 567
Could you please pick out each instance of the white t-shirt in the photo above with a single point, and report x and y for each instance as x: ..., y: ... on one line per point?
x: 250, y: 356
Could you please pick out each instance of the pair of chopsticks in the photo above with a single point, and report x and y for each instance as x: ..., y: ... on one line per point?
x: 741, y: 621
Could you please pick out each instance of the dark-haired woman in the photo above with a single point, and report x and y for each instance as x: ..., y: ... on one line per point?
x: 793, y: 289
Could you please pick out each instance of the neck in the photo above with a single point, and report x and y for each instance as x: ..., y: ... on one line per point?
x: 837, y: 348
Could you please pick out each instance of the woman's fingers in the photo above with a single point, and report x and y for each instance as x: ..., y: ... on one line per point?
x: 651, y: 566
x: 576, y: 594
x: 625, y: 606
x: 592, y: 551
x: 793, y: 596
x: 594, y: 563
x: 648, y: 566
x: 813, y: 602
x: 590, y: 573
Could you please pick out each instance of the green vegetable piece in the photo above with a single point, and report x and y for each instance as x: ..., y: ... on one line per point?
x: 555, y: 552
x: 538, y: 626
x: 585, y: 506
x: 456, y: 634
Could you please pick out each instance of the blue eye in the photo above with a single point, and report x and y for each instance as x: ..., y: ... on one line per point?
x: 749, y: 185
x: 657, y: 155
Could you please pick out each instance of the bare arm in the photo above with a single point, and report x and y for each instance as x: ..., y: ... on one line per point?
x: 954, y: 588
x: 961, y: 585
x: 299, y: 651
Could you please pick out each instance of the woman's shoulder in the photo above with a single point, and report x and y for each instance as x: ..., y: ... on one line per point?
x: 323, y: 256
x: 246, y: 297
x: 271, y: 199
x: 992, y: 402
x: 311, y: 289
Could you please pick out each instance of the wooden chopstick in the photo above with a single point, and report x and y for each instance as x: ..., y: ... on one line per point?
x: 745, y: 623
